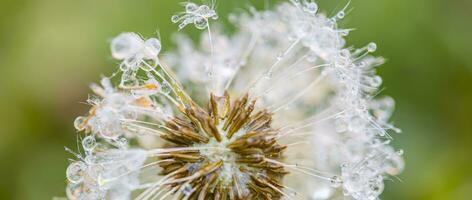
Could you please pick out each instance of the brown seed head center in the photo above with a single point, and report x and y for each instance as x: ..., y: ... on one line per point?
x: 234, y: 154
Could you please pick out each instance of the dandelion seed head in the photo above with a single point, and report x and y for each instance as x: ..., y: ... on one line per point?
x: 241, y: 116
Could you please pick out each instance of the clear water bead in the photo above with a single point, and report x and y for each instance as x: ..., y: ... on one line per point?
x: 174, y: 18
x: 312, y: 7
x: 335, y: 181
x: 79, y: 123
x: 375, y: 81
x: 400, y: 152
x: 371, y: 47
x: 153, y: 47
x: 125, y: 45
x: 75, y: 171
x: 201, y: 23
x: 341, y: 15
x: 190, y: 7
x: 89, y: 143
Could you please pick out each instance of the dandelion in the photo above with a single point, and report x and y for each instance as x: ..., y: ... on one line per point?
x: 281, y: 109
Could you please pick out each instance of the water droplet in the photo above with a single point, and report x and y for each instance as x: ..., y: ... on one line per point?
x: 200, y: 23
x: 312, y: 7
x: 191, y: 7
x: 122, y: 142
x: 174, y: 18
x: 371, y: 47
x: 381, y: 133
x: 165, y: 88
x: 153, y: 47
x: 335, y: 181
x: 75, y: 171
x: 341, y: 15
x: 89, y: 143
x: 125, y: 45
x: 375, y: 81
x: 400, y: 152
x: 205, y: 10
x: 79, y: 123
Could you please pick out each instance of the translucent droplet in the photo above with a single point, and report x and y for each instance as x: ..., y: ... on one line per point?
x: 205, y: 10
x: 165, y: 88
x: 312, y: 7
x: 79, y: 123
x: 375, y: 81
x: 191, y: 7
x: 335, y: 181
x: 381, y: 133
x: 75, y: 171
x: 122, y: 142
x: 125, y: 45
x: 153, y: 47
x: 89, y: 143
x: 200, y: 23
x: 174, y: 18
x: 371, y: 47
x: 341, y: 15
x: 400, y: 152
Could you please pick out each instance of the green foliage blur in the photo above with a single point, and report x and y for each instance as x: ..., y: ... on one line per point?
x: 50, y: 50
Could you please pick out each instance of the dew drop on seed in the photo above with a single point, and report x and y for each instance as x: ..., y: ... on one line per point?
x: 174, y: 18
x: 312, y: 7
x: 75, y: 171
x: 340, y: 14
x: 375, y: 81
x: 79, y: 123
x: 191, y: 7
x: 371, y: 47
x: 400, y: 152
x: 200, y: 23
x: 165, y: 88
x: 122, y: 142
x: 210, y: 74
x: 335, y: 181
x: 89, y: 143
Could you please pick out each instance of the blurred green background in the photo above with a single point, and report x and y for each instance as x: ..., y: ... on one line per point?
x: 50, y: 50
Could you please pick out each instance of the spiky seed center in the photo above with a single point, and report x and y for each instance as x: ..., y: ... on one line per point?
x: 235, y: 155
